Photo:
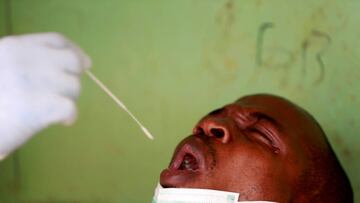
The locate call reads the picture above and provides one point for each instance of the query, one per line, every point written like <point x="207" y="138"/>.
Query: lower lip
<point x="177" y="178"/>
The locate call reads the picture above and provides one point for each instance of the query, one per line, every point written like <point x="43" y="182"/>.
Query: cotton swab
<point x="119" y="103"/>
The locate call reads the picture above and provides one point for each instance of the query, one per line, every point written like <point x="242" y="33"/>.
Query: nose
<point x="216" y="128"/>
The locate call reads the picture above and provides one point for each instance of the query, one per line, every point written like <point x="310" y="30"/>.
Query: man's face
<point x="255" y="146"/>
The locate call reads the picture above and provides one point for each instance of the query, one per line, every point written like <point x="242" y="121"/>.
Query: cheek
<point x="240" y="170"/>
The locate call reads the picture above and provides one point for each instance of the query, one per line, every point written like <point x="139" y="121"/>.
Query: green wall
<point x="2" y="18"/>
<point x="172" y="62"/>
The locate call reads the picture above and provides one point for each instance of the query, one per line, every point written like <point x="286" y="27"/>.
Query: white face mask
<point x="186" y="195"/>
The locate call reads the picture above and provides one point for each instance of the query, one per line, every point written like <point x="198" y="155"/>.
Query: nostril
<point x="216" y="128"/>
<point x="217" y="132"/>
<point x="198" y="131"/>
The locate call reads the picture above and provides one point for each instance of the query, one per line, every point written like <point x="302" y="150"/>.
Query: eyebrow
<point x="258" y="115"/>
<point x="263" y="116"/>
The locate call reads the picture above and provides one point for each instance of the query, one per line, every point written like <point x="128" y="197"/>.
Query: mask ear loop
<point x="119" y="103"/>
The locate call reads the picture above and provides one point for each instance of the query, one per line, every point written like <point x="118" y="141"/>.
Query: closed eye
<point x="265" y="130"/>
<point x="258" y="135"/>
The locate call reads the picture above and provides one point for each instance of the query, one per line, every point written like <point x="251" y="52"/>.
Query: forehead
<point x="275" y="107"/>
<point x="293" y="122"/>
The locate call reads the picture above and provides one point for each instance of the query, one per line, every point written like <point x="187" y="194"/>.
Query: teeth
<point x="189" y="163"/>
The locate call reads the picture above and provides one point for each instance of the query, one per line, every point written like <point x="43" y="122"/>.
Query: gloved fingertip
<point x="84" y="58"/>
<point x="69" y="122"/>
<point x="71" y="116"/>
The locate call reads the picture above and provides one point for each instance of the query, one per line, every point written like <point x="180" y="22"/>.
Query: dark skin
<point x="263" y="147"/>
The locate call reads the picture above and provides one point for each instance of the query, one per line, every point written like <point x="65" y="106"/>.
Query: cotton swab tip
<point x="147" y="133"/>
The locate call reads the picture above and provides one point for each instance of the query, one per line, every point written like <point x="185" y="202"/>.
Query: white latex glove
<point x="39" y="85"/>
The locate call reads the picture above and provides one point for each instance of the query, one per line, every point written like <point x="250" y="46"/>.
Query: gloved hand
<point x="39" y="85"/>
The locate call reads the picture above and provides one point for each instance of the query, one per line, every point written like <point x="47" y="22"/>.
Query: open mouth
<point x="185" y="160"/>
<point x="189" y="162"/>
<point x="189" y="158"/>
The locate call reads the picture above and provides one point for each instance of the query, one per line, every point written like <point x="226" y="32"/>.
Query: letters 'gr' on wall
<point x="172" y="62"/>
